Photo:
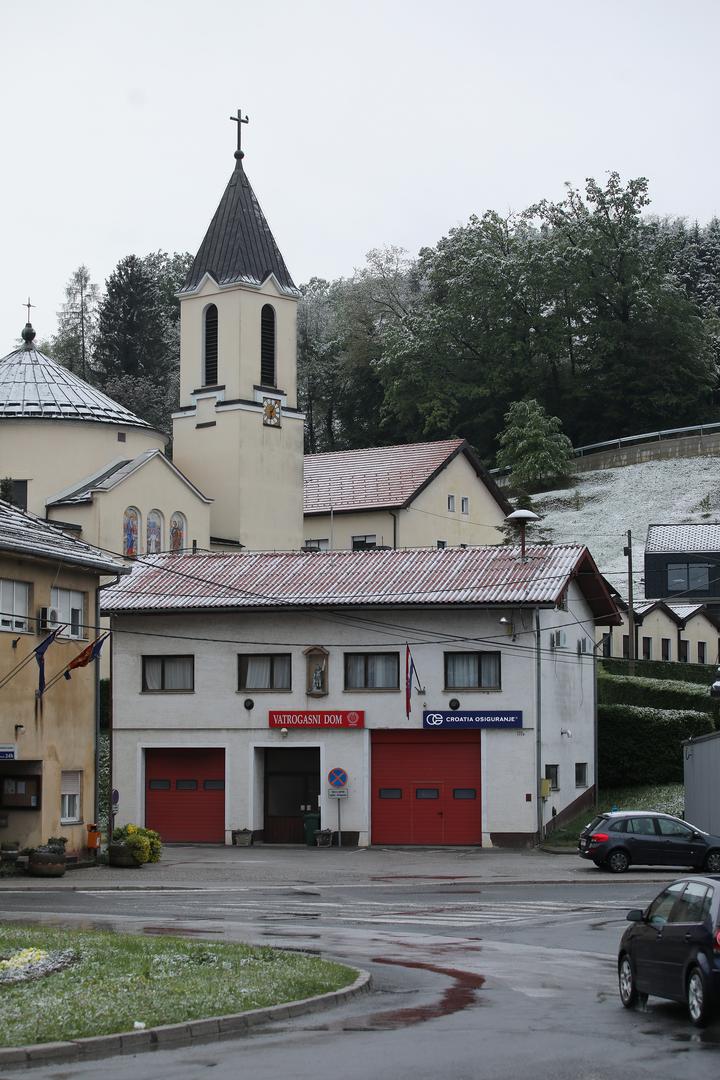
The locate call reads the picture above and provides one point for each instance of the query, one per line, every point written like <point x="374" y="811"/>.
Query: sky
<point x="372" y="123"/>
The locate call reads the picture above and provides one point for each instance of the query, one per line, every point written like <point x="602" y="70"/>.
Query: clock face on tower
<point x="272" y="413"/>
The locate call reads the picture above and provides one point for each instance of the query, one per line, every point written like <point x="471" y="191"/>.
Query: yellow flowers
<point x="22" y="959"/>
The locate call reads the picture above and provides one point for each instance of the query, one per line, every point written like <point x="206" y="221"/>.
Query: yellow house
<point x="689" y="633"/>
<point x="435" y="494"/>
<point x="48" y="583"/>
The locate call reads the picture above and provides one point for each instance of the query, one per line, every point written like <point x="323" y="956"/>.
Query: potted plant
<point x="132" y="845"/>
<point x="48" y="860"/>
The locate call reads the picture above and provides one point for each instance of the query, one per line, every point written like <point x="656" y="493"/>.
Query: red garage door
<point x="426" y="787"/>
<point x="185" y="795"/>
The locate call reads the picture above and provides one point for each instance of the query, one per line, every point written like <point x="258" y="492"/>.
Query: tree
<point x="73" y="344"/>
<point x="533" y="446"/>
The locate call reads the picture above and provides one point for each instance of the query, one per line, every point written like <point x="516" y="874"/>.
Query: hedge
<point x="656" y="694"/>
<point x="662" y="669"/>
<point x="643" y="746"/>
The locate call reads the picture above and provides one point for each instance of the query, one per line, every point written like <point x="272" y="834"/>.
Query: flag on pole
<point x="40" y="657"/>
<point x="90" y="653"/>
<point x="409" y="671"/>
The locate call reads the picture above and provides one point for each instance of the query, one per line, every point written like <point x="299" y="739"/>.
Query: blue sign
<point x="337" y="778"/>
<point x="439" y="719"/>
<point x="7" y="753"/>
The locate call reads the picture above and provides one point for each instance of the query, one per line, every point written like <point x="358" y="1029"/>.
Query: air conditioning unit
<point x="47" y="619"/>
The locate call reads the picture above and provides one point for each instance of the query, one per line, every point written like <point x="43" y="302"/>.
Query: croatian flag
<point x="40" y="657"/>
<point x="90" y="653"/>
<point x="409" y="672"/>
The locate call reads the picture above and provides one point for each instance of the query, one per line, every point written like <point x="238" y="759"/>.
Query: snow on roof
<point x="425" y="576"/>
<point x="25" y="534"/>
<point x="688" y="537"/>
<point x="382" y="476"/>
<point x="115" y="473"/>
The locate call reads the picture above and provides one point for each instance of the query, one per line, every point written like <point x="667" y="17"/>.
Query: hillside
<point x="599" y="507"/>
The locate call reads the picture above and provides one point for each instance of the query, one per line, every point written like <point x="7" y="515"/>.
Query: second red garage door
<point x="426" y="787"/>
<point x="185" y="795"/>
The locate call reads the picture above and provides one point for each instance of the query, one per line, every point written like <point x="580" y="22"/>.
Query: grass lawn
<point x="667" y="798"/>
<point x="115" y="980"/>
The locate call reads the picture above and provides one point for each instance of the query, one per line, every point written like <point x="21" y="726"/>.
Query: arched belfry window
<point x="267" y="345"/>
<point x="211" y="346"/>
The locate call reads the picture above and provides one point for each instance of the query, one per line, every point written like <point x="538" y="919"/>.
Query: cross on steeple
<point x="28" y="305"/>
<point x="240" y="120"/>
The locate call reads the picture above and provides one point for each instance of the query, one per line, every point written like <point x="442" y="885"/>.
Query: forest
<point x="606" y="315"/>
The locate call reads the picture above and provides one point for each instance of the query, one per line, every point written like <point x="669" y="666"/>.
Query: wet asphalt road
<point x="489" y="982"/>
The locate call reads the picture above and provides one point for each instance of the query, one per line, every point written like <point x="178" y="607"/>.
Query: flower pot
<point x="46" y="864"/>
<point x="120" y="855"/>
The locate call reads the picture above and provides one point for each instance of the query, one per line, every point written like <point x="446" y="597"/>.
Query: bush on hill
<point x="644" y="746"/>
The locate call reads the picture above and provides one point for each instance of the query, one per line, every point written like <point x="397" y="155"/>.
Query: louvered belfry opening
<point x="267" y="345"/>
<point x="211" y="346"/>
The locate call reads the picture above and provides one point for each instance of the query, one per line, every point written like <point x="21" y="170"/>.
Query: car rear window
<point x="595" y="823"/>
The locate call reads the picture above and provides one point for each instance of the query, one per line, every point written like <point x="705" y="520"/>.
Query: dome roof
<point x="33" y="385"/>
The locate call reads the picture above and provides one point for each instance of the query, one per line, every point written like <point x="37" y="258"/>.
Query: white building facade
<point x="247" y="680"/>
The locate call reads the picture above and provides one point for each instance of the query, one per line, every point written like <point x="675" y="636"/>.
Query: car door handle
<point x="688" y="936"/>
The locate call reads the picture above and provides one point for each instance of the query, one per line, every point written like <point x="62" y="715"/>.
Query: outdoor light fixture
<point x="566" y="731"/>
<point x="18" y="728"/>
<point x="283" y="732"/>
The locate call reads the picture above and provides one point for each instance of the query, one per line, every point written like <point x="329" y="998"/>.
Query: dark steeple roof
<point x="238" y="247"/>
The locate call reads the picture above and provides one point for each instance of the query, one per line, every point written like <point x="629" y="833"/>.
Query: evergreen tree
<point x="73" y="345"/>
<point x="533" y="446"/>
<point x="131" y="325"/>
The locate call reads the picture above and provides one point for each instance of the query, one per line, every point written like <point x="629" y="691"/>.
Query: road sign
<point x="338" y="792"/>
<point x="337" y="778"/>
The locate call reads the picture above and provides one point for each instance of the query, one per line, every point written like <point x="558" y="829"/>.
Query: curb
<point x="171" y="1035"/>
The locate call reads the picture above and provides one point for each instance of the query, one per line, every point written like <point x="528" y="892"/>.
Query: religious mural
<point x="131" y="532"/>
<point x="177" y="531"/>
<point x="154" y="532"/>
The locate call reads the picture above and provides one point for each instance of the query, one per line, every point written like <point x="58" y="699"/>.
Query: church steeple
<point x="239" y="248"/>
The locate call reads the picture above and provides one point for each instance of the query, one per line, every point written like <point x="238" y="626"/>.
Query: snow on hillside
<point x="599" y="507"/>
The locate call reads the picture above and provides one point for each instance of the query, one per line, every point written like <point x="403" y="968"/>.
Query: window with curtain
<point x="70" y="788"/>
<point x="14" y="605"/>
<point x="210" y="374"/>
<point x="166" y="673"/>
<point x="472" y="671"/>
<point x="70" y="606"/>
<point x="372" y="671"/>
<point x="267" y="346"/>
<point x="268" y="671"/>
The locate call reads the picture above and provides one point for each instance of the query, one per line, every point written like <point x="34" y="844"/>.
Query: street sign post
<point x="338" y="790"/>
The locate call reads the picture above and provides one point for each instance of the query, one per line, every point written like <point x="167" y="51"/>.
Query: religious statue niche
<point x="317" y="671"/>
<point x="131" y="532"/>
<point x="154" y="532"/>
<point x="177" y="531"/>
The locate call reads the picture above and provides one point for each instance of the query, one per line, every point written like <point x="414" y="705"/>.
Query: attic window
<point x="211" y="346"/>
<point x="122" y="437"/>
<point x="267" y="346"/>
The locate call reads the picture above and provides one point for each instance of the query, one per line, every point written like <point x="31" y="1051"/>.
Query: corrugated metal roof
<point x="35" y="387"/>
<point x="679" y="539"/>
<point x="382" y="476"/>
<point x="238" y="247"/>
<point x="25" y="534"/>
<point x="427" y="576"/>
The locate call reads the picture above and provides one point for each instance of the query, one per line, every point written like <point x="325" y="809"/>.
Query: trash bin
<point x="311" y="823"/>
<point x="93" y="840"/>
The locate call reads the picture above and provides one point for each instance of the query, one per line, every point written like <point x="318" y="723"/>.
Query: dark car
<point x="672" y="949"/>
<point x="615" y="840"/>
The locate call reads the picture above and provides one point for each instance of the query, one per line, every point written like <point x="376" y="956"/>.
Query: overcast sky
<point x="372" y="122"/>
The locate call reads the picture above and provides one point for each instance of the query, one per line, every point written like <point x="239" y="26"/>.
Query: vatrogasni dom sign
<point x="438" y="719"/>
<point x="323" y="718"/>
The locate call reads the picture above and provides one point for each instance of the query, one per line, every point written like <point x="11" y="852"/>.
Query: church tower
<point x="238" y="432"/>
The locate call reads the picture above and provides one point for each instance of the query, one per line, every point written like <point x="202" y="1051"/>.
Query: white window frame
<point x="451" y="504"/>
<point x="317" y="545"/>
<point x="70" y="607"/>
<point x="70" y="796"/>
<point x="464" y="505"/>
<point x="15" y="605"/>
<point x="367" y="541"/>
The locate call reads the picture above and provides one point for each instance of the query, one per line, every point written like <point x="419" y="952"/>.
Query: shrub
<point x="643" y="745"/>
<point x="145" y="844"/>
<point x="662" y="669"/>
<point x="655" y="693"/>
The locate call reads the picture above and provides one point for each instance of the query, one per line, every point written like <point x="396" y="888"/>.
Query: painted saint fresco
<point x="131" y="530"/>
<point x="154" y="532"/>
<point x="177" y="531"/>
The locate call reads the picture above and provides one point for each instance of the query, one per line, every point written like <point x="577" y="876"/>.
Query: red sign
<point x="342" y="718"/>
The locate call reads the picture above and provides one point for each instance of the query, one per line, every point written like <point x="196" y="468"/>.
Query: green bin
<point x="311" y="823"/>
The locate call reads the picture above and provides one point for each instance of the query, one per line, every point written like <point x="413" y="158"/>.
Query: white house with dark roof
<point x="243" y="680"/>
<point x="434" y="494"/>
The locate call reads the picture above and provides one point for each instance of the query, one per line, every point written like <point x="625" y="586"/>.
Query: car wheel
<point x="712" y="862"/>
<point x="698" y="999"/>
<point x="626" y="983"/>
<point x="617" y="862"/>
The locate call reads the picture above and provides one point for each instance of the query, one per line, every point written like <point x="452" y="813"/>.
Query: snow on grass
<point x="601" y="506"/>
<point x="119" y="981"/>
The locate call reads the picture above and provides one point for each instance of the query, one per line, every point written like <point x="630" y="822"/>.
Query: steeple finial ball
<point x="28" y="335"/>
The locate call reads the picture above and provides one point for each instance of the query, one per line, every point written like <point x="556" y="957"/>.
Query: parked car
<point x="616" y="839"/>
<point x="672" y="949"/>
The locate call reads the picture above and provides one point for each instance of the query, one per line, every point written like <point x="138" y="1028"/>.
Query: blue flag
<point x="40" y="657"/>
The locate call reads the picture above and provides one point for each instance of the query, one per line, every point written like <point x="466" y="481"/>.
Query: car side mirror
<point x="636" y="915"/>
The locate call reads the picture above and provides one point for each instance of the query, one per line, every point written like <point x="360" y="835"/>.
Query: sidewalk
<point x="206" y="867"/>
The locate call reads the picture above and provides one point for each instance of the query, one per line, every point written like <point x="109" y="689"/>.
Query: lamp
<point x="509" y="625"/>
<point x="18" y="729"/>
<point x="284" y="732"/>
<point x="566" y="731"/>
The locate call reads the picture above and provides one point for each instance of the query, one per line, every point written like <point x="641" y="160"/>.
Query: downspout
<point x="110" y="719"/>
<point x="538" y="724"/>
<point x="96" y="807"/>
<point x="595" y="727"/>
<point x="332" y="523"/>
<point x="393" y="515"/>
